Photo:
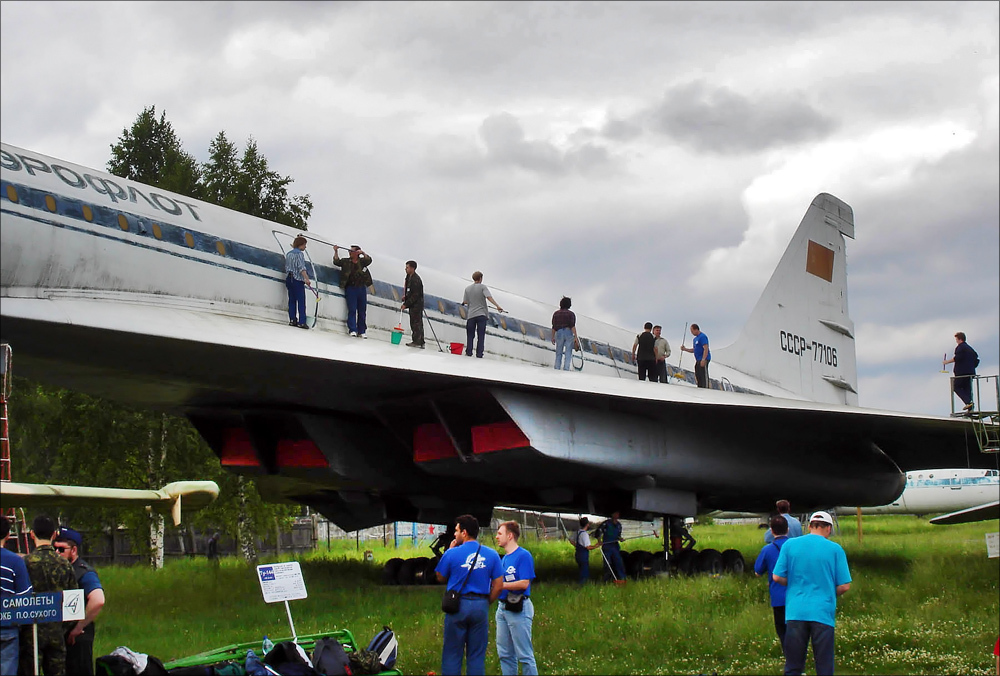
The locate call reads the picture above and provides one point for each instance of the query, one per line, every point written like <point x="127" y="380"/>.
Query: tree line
<point x="59" y="436"/>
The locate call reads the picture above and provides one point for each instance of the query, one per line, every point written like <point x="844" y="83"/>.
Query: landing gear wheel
<point x="684" y="561"/>
<point x="733" y="562"/>
<point x="430" y="577"/>
<point x="710" y="561"/>
<point x="420" y="570"/>
<point x="406" y="572"/>
<point x="640" y="564"/>
<point x="390" y="572"/>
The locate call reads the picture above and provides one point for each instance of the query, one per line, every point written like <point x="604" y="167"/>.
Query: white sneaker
<point x="362" y="335"/>
<point x="354" y="334"/>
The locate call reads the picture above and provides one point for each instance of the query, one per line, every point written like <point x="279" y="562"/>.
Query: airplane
<point x="935" y="491"/>
<point x="194" y="495"/>
<point x="136" y="294"/>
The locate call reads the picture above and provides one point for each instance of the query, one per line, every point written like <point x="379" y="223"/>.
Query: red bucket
<point x="457" y="348"/>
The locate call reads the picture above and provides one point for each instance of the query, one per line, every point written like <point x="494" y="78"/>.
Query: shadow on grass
<point x="887" y="564"/>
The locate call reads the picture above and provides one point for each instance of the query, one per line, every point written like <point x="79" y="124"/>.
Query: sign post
<point x="282" y="582"/>
<point x="35" y="609"/>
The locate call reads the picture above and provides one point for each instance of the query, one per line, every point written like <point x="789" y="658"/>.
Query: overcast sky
<point x="651" y="160"/>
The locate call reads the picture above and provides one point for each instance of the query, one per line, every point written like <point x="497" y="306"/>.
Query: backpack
<point x="385" y="645"/>
<point x="289" y="659"/>
<point x="329" y="657"/>
<point x="364" y="662"/>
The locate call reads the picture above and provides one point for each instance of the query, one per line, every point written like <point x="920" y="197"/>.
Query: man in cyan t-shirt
<point x="815" y="571"/>
<point x="467" y="632"/>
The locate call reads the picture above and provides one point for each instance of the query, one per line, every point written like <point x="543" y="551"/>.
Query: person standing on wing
<point x="702" y="355"/>
<point x="965" y="360"/>
<point x="296" y="281"/>
<point x="662" y="349"/>
<point x="413" y="301"/>
<point x="564" y="333"/>
<point x="355" y="280"/>
<point x="475" y="298"/>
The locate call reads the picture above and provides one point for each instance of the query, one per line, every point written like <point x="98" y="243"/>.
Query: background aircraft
<point x="125" y="291"/>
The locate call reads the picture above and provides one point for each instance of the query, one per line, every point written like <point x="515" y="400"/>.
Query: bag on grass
<point x="364" y="662"/>
<point x="289" y="659"/>
<point x="329" y="657"/>
<point x="385" y="646"/>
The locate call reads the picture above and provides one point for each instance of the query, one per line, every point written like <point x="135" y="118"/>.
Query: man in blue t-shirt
<point x="80" y="637"/>
<point x="474" y="571"/>
<point x="815" y="571"/>
<point x="765" y="566"/>
<point x="965" y="360"/>
<point x="702" y="355"/>
<point x="514" y="618"/>
<point x="794" y="527"/>
<point x="14" y="581"/>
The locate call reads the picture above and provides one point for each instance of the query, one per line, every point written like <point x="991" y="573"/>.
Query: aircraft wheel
<point x="659" y="563"/>
<point x="391" y="570"/>
<point x="710" y="561"/>
<point x="684" y="562"/>
<point x="430" y="577"/>
<point x="420" y="570"/>
<point x="406" y="572"/>
<point x="733" y="562"/>
<point x="639" y="564"/>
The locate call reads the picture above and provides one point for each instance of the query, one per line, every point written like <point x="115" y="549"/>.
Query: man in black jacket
<point x="413" y="300"/>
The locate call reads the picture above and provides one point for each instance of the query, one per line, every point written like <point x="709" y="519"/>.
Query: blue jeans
<point x="564" y="348"/>
<point x="614" y="557"/>
<point x="583" y="560"/>
<point x="797" y="637"/>
<point x="357" y="308"/>
<point x="296" y="299"/>
<point x="8" y="650"/>
<point x="466" y="634"/>
<point x="514" y="640"/>
<point x="475" y="327"/>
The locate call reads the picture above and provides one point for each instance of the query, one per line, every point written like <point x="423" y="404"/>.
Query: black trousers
<point x="963" y="388"/>
<point x="647" y="367"/>
<point x="80" y="656"/>
<point x="779" y="622"/>
<point x="417" y="324"/>
<point x="701" y="374"/>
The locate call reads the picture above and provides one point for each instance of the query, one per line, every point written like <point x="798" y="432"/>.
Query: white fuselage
<point x="940" y="490"/>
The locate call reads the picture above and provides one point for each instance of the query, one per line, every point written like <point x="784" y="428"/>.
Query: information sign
<point x="281" y="582"/>
<point x="993" y="545"/>
<point x="42" y="608"/>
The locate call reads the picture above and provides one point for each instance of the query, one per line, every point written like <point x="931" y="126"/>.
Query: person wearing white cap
<point x="815" y="571"/>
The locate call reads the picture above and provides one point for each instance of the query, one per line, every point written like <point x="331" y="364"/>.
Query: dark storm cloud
<point x="720" y="120"/>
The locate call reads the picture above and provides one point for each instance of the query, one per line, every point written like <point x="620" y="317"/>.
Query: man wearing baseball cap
<point x="80" y="637"/>
<point x="815" y="571"/>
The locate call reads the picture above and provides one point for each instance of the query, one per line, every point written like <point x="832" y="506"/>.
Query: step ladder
<point x="19" y="529"/>
<point x="985" y="413"/>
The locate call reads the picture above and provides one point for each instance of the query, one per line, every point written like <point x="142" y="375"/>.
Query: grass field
<point x="924" y="601"/>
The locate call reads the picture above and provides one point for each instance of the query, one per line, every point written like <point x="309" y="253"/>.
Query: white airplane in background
<point x="125" y="291"/>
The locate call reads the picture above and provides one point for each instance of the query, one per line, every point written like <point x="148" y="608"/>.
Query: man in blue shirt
<point x="815" y="571"/>
<point x="765" y="566"/>
<point x="296" y="281"/>
<point x="80" y="637"/>
<point x="476" y="572"/>
<point x="702" y="355"/>
<point x="794" y="527"/>
<point x="514" y="617"/>
<point x="610" y="533"/>
<point x="14" y="581"/>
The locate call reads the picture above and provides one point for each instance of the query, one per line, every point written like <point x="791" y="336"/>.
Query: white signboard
<point x="73" y="606"/>
<point x="993" y="545"/>
<point x="281" y="582"/>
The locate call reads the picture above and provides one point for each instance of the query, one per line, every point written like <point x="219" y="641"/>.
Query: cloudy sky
<point x="649" y="159"/>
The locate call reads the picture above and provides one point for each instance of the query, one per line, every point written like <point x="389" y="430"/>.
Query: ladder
<point x="985" y="414"/>
<point x="18" y="527"/>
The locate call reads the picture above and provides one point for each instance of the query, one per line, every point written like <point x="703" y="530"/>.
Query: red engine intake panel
<point x="300" y="453"/>
<point x="498" y="437"/>
<point x="431" y="442"/>
<point x="237" y="449"/>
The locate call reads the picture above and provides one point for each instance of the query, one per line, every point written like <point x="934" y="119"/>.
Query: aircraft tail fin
<point x="800" y="336"/>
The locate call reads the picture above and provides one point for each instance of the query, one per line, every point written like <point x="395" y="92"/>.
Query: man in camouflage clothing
<point x="49" y="573"/>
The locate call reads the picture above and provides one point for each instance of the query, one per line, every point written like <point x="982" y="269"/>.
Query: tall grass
<point x="924" y="600"/>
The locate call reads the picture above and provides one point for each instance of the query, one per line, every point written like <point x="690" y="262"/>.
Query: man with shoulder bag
<point x="516" y="611"/>
<point x="474" y="579"/>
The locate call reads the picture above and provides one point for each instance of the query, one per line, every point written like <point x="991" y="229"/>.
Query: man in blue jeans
<point x="474" y="571"/>
<point x="610" y="533"/>
<point x="14" y="581"/>
<point x="514" y="616"/>
<point x="475" y="298"/>
<point x="815" y="571"/>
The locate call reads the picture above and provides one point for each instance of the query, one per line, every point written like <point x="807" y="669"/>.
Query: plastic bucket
<point x="456" y="348"/>
<point x="397" y="336"/>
